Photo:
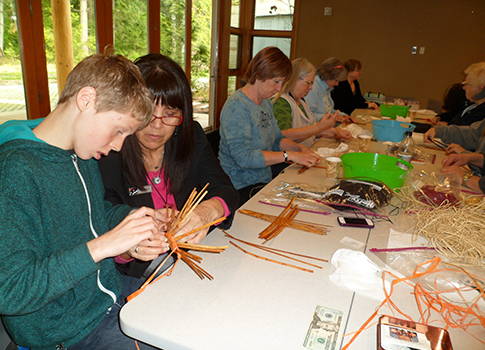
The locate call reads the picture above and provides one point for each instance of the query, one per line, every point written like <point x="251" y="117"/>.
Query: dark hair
<point x="268" y="63"/>
<point x="169" y="86"/>
<point x="454" y="99"/>
<point x="352" y="64"/>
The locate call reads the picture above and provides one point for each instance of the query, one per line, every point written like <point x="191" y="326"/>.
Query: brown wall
<point x="381" y="34"/>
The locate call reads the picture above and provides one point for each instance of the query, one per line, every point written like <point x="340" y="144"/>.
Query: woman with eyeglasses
<point x="466" y="129"/>
<point x="293" y="114"/>
<point x="161" y="164"/>
<point x="474" y="93"/>
<point x="251" y="141"/>
<point x="329" y="74"/>
<point x="347" y="95"/>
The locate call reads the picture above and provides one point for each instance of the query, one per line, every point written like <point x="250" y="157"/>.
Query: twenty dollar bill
<point x="323" y="333"/>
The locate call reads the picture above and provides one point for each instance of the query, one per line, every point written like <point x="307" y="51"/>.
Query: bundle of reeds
<point x="457" y="232"/>
<point x="285" y="219"/>
<point x="180" y="248"/>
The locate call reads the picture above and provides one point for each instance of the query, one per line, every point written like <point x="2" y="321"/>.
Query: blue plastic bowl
<point x="390" y="130"/>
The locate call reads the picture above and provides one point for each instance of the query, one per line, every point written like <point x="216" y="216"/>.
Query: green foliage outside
<point x="130" y="28"/>
<point x="10" y="36"/>
<point x="130" y="34"/>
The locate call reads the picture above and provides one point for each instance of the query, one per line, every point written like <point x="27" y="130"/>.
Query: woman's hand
<point x="149" y="249"/>
<point x="454" y="148"/>
<point x="454" y="169"/>
<point x="430" y="135"/>
<point x="206" y="212"/>
<point x="327" y="121"/>
<point x="343" y="118"/>
<point x="473" y="182"/>
<point x="372" y="105"/>
<point x="463" y="159"/>
<point x="306" y="157"/>
<point x="137" y="227"/>
<point x="341" y="134"/>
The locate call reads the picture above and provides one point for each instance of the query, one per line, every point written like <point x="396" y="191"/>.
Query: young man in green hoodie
<point x="59" y="287"/>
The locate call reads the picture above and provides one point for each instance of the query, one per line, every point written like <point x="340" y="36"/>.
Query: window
<point x="136" y="27"/>
<point x="271" y="24"/>
<point x="130" y="31"/>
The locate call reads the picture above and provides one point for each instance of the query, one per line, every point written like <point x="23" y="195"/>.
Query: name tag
<point x="135" y="191"/>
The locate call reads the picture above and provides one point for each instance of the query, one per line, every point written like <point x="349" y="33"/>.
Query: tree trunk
<point x="61" y="20"/>
<point x="84" y="26"/>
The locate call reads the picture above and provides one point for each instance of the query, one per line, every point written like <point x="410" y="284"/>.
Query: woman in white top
<point x="293" y="114"/>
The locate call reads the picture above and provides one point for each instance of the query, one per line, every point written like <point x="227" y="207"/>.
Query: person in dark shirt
<point x="469" y="104"/>
<point x="161" y="164"/>
<point x="347" y="95"/>
<point x="454" y="102"/>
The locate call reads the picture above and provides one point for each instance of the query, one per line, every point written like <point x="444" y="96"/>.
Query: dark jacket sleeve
<point x="474" y="115"/>
<point x="117" y="189"/>
<point x="360" y="101"/>
<point x="344" y="99"/>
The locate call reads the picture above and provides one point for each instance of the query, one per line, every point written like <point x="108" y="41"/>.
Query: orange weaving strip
<point x="454" y="316"/>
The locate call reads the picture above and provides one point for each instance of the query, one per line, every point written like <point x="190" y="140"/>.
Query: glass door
<point x="12" y="96"/>
<point x="246" y="27"/>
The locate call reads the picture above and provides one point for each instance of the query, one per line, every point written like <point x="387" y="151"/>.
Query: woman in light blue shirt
<point x="329" y="73"/>
<point x="250" y="138"/>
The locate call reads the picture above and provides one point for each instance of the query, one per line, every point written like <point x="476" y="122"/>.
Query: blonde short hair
<point x="477" y="72"/>
<point x="118" y="83"/>
<point x="301" y="68"/>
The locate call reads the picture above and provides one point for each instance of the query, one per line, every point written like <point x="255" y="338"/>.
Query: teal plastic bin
<point x="390" y="130"/>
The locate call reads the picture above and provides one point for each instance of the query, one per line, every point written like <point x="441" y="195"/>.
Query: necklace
<point x="156" y="179"/>
<point x="154" y="183"/>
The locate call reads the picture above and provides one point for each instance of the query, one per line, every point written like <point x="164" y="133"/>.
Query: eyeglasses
<point x="170" y="118"/>
<point x="307" y="81"/>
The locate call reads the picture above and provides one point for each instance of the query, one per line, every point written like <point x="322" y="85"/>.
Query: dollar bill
<point x="323" y="333"/>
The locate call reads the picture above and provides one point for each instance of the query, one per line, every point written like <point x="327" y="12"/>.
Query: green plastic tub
<point x="392" y="111"/>
<point x="390" y="170"/>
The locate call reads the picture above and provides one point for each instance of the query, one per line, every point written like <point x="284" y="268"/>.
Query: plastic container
<point x="390" y="170"/>
<point x="392" y="111"/>
<point x="390" y="130"/>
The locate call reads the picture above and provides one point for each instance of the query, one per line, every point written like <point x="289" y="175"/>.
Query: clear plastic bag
<point x="305" y="195"/>
<point x="456" y="284"/>
<point x="362" y="193"/>
<point x="435" y="189"/>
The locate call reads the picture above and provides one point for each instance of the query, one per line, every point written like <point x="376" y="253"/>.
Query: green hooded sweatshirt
<point x="51" y="291"/>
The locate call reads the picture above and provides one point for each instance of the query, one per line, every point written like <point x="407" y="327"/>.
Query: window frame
<point x="34" y="65"/>
<point x="247" y="32"/>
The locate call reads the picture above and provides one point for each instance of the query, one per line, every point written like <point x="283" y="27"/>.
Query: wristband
<point x="285" y="155"/>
